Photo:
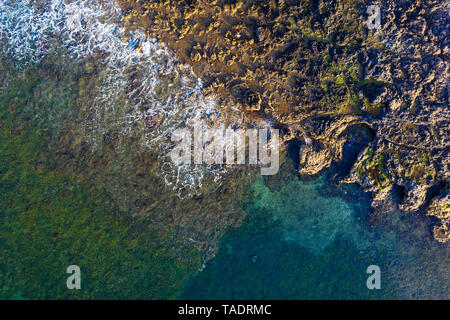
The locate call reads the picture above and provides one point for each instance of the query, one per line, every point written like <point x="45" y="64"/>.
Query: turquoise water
<point x="313" y="240"/>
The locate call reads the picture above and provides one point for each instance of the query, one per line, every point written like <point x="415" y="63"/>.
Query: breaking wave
<point x="141" y="90"/>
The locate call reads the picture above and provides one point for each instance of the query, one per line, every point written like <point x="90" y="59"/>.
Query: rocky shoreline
<point x="371" y="105"/>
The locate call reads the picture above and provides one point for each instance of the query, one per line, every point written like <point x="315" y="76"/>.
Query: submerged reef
<point x="369" y="106"/>
<point x="52" y="217"/>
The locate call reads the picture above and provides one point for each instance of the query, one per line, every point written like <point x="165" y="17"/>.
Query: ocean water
<point x="314" y="240"/>
<point x="70" y="66"/>
<point x="133" y="78"/>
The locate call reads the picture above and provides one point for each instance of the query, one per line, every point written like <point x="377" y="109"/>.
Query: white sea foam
<point x="135" y="85"/>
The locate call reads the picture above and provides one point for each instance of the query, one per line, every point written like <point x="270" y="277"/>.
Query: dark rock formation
<point x="374" y="102"/>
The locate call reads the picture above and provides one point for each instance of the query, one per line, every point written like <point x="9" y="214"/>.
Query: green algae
<point x="50" y="219"/>
<point x="374" y="167"/>
<point x="372" y="109"/>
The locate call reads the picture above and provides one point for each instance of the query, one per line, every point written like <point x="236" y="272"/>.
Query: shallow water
<point x="313" y="240"/>
<point x="124" y="77"/>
